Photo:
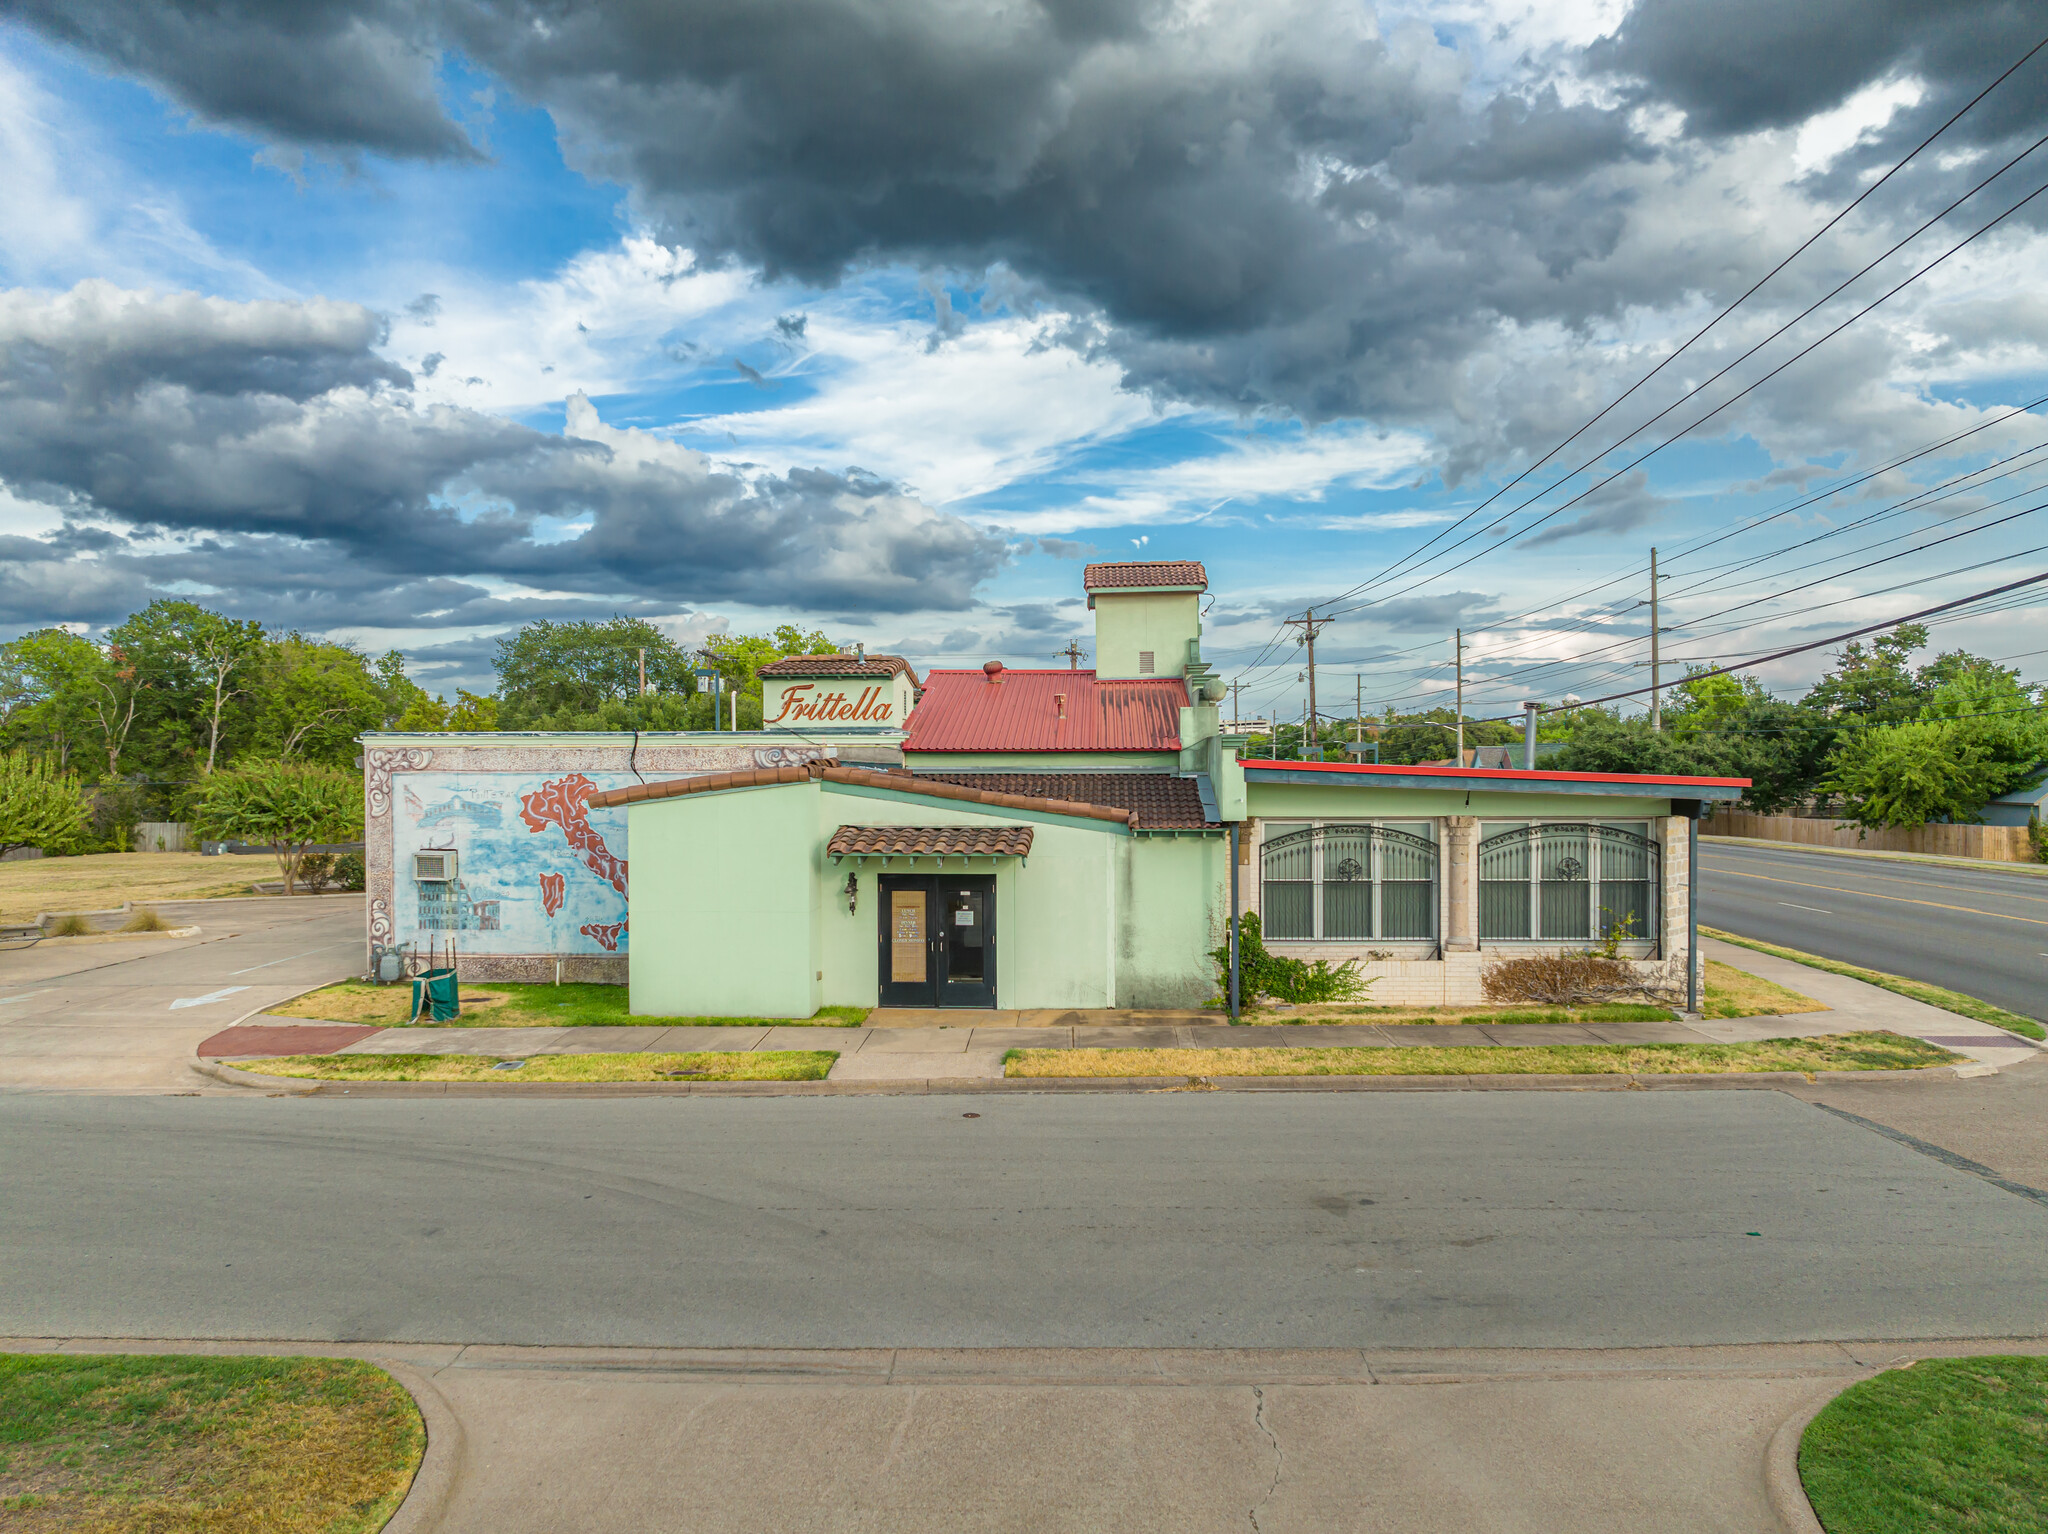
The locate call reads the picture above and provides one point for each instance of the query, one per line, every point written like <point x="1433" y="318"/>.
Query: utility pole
<point x="1073" y="655"/>
<point x="1357" y="711"/>
<point x="1235" y="717"/>
<point x="1656" y="672"/>
<point x="1310" y="626"/>
<point x="1458" y="657"/>
<point x="643" y="673"/>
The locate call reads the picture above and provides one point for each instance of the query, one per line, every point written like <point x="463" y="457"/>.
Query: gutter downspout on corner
<point x="1693" y="966"/>
<point x="1235" y="826"/>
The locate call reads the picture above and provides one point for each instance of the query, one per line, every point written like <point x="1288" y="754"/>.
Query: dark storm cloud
<point x="328" y="75"/>
<point x="1621" y="507"/>
<point x="266" y="452"/>
<point x="1246" y="205"/>
<point x="1739" y="65"/>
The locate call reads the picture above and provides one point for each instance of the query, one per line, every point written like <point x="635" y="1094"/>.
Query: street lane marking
<point x="209" y="998"/>
<point x="345" y="943"/>
<point x="1924" y="884"/>
<point x="1798" y="907"/>
<point x="2033" y="921"/>
<point x="45" y="990"/>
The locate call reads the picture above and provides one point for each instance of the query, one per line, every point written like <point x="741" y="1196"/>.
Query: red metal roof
<point x="1045" y="711"/>
<point x="1391" y="769"/>
<point x="1157" y="572"/>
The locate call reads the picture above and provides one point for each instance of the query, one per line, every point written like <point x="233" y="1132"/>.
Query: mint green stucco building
<point x="1068" y="839"/>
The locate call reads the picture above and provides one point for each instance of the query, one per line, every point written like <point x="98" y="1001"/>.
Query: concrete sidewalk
<point x="607" y="1441"/>
<point x="973" y="1047"/>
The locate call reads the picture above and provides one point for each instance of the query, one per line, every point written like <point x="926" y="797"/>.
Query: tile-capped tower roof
<point x="1155" y="574"/>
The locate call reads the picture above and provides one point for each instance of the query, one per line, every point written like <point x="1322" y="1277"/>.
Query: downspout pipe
<point x="1529" y="736"/>
<point x="1234" y="828"/>
<point x="1692" y="909"/>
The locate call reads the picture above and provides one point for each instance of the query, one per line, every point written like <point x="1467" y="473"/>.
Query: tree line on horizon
<point x="180" y="713"/>
<point x="1877" y="741"/>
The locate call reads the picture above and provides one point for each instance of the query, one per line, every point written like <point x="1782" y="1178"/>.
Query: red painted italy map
<point x="561" y="803"/>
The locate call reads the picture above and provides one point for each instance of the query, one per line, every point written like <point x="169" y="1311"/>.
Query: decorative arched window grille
<point x="1356" y="882"/>
<point x="1556" y="882"/>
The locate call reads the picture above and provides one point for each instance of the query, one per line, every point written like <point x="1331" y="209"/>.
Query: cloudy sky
<point x="411" y="320"/>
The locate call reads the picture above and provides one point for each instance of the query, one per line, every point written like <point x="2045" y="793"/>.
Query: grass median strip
<point x="575" y="1005"/>
<point x="127" y="1444"/>
<point x="1918" y="990"/>
<point x="1830" y="1052"/>
<point x="736" y="1065"/>
<point x="1944" y="1444"/>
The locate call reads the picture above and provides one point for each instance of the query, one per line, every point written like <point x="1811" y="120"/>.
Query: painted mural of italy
<point x="606" y="933"/>
<point x="551" y="890"/>
<point x="561" y="803"/>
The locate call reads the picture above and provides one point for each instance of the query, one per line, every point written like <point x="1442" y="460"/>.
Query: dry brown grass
<point x="1734" y="993"/>
<point x="570" y="1005"/>
<point x="738" y="1065"/>
<point x="120" y="1444"/>
<point x="102" y="881"/>
<point x="1831" y="1052"/>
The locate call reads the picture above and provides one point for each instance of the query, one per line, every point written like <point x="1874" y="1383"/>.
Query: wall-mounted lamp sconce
<point x="852" y="892"/>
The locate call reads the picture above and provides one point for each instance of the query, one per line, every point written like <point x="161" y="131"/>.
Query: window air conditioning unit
<point x="433" y="867"/>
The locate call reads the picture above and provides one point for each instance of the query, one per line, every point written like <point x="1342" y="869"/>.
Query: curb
<point x="969" y="1086"/>
<point x="433" y="1484"/>
<point x="1781" y="1466"/>
<point x="227" y="1074"/>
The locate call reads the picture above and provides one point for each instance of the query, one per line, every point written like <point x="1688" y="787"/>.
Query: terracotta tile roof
<point x="1045" y="711"/>
<point x="840" y="665"/>
<point x="932" y="841"/>
<point x="1158" y="572"/>
<point x="1160" y="800"/>
<point x="898" y="782"/>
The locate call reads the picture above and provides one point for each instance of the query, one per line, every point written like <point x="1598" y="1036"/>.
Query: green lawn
<point x="1947" y="1446"/>
<point x="128" y="1444"/>
<point x="737" y="1065"/>
<point x="527" y="1006"/>
<point x="1919" y="990"/>
<point x="1830" y="1052"/>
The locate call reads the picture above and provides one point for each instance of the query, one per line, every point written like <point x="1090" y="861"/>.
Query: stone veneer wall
<point x="382" y="765"/>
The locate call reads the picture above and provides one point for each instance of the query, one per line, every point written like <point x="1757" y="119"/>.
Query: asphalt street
<point x="124" y="1014"/>
<point x="1504" y="1219"/>
<point x="1982" y="933"/>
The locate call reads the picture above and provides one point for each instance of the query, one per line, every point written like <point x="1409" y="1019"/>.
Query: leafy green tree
<point x="547" y="667"/>
<point x="1631" y="746"/>
<point x="400" y="692"/>
<point x="470" y="712"/>
<point x="1979" y="734"/>
<point x="191" y="667"/>
<point x="287" y="806"/>
<point x="1873" y="681"/>
<point x="738" y="657"/>
<point x="40" y="805"/>
<point x="312" y="699"/>
<point x="48" y="688"/>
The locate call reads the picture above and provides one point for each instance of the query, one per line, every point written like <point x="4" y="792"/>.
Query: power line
<point x="1799" y="649"/>
<point x="1716" y="320"/>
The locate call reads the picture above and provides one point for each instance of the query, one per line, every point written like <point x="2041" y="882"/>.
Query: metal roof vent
<point x="993" y="670"/>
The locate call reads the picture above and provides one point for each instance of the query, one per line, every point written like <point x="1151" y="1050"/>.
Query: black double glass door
<point x="937" y="945"/>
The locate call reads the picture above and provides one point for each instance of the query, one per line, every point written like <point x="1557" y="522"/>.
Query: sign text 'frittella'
<point x="804" y="701"/>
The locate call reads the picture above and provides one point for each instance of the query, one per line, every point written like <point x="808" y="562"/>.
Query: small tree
<point x="288" y="806"/>
<point x="40" y="806"/>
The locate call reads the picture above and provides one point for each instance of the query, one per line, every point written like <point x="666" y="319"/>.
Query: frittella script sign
<point x="806" y="701"/>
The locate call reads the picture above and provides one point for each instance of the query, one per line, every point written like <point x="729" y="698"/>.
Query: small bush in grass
<point x="146" y="919"/>
<point x="315" y="869"/>
<point x="1303" y="981"/>
<point x="348" y="872"/>
<point x="72" y="926"/>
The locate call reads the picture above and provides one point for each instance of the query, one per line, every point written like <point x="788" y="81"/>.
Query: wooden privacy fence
<point x="1996" y="844"/>
<point x="164" y="836"/>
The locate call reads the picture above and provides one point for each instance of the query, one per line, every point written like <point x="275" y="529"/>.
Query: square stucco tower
<point x="1148" y="617"/>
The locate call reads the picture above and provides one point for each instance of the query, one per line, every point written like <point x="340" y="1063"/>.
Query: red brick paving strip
<point x="261" y="1039"/>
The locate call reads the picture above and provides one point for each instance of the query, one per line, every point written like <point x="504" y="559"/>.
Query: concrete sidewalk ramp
<point x="919" y="1065"/>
